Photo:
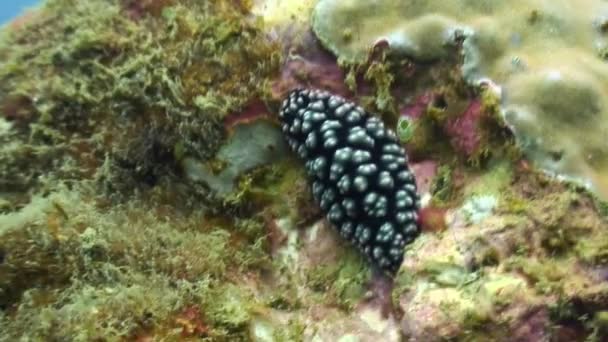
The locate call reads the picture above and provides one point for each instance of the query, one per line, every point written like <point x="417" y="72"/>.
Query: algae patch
<point x="120" y="91"/>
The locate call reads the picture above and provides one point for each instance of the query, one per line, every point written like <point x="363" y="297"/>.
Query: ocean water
<point x="12" y="8"/>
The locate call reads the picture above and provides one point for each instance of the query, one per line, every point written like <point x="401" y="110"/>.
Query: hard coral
<point x="492" y="44"/>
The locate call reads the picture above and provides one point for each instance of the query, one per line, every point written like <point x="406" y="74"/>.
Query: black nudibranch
<point x="359" y="172"/>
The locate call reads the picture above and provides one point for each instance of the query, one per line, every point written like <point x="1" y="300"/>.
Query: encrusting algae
<point x="147" y="192"/>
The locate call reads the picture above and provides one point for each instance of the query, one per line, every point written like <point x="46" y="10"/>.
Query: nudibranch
<point x="359" y="173"/>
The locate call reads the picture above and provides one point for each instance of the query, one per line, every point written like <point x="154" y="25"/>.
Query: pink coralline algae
<point x="256" y="109"/>
<point x="310" y="68"/>
<point x="463" y="130"/>
<point x="419" y="107"/>
<point x="424" y="171"/>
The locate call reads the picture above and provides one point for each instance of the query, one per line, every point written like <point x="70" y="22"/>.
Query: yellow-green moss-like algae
<point x="130" y="83"/>
<point x="101" y="97"/>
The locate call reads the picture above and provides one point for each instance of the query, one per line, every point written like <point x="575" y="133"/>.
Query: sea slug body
<point x="359" y="173"/>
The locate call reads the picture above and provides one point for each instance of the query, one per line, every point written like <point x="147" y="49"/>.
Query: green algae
<point x="294" y="332"/>
<point x="111" y="270"/>
<point x="458" y="313"/>
<point x="111" y="100"/>
<point x="500" y="288"/>
<point x="442" y="187"/>
<point x="600" y="323"/>
<point x="379" y="74"/>
<point x="405" y="129"/>
<point x="100" y="72"/>
<point x="524" y="253"/>
<point x="493" y="181"/>
<point x="449" y="275"/>
<point x="593" y="251"/>
<point x="560" y="228"/>
<point x="343" y="282"/>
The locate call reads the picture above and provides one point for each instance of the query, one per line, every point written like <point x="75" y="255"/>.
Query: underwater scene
<point x="304" y="170"/>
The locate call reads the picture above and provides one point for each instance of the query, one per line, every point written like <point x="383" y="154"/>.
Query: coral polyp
<point x="359" y="172"/>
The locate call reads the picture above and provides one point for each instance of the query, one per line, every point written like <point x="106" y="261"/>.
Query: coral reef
<point x="147" y="192"/>
<point x="546" y="56"/>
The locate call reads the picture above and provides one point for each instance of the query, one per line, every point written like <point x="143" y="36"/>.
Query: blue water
<point x="12" y="8"/>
